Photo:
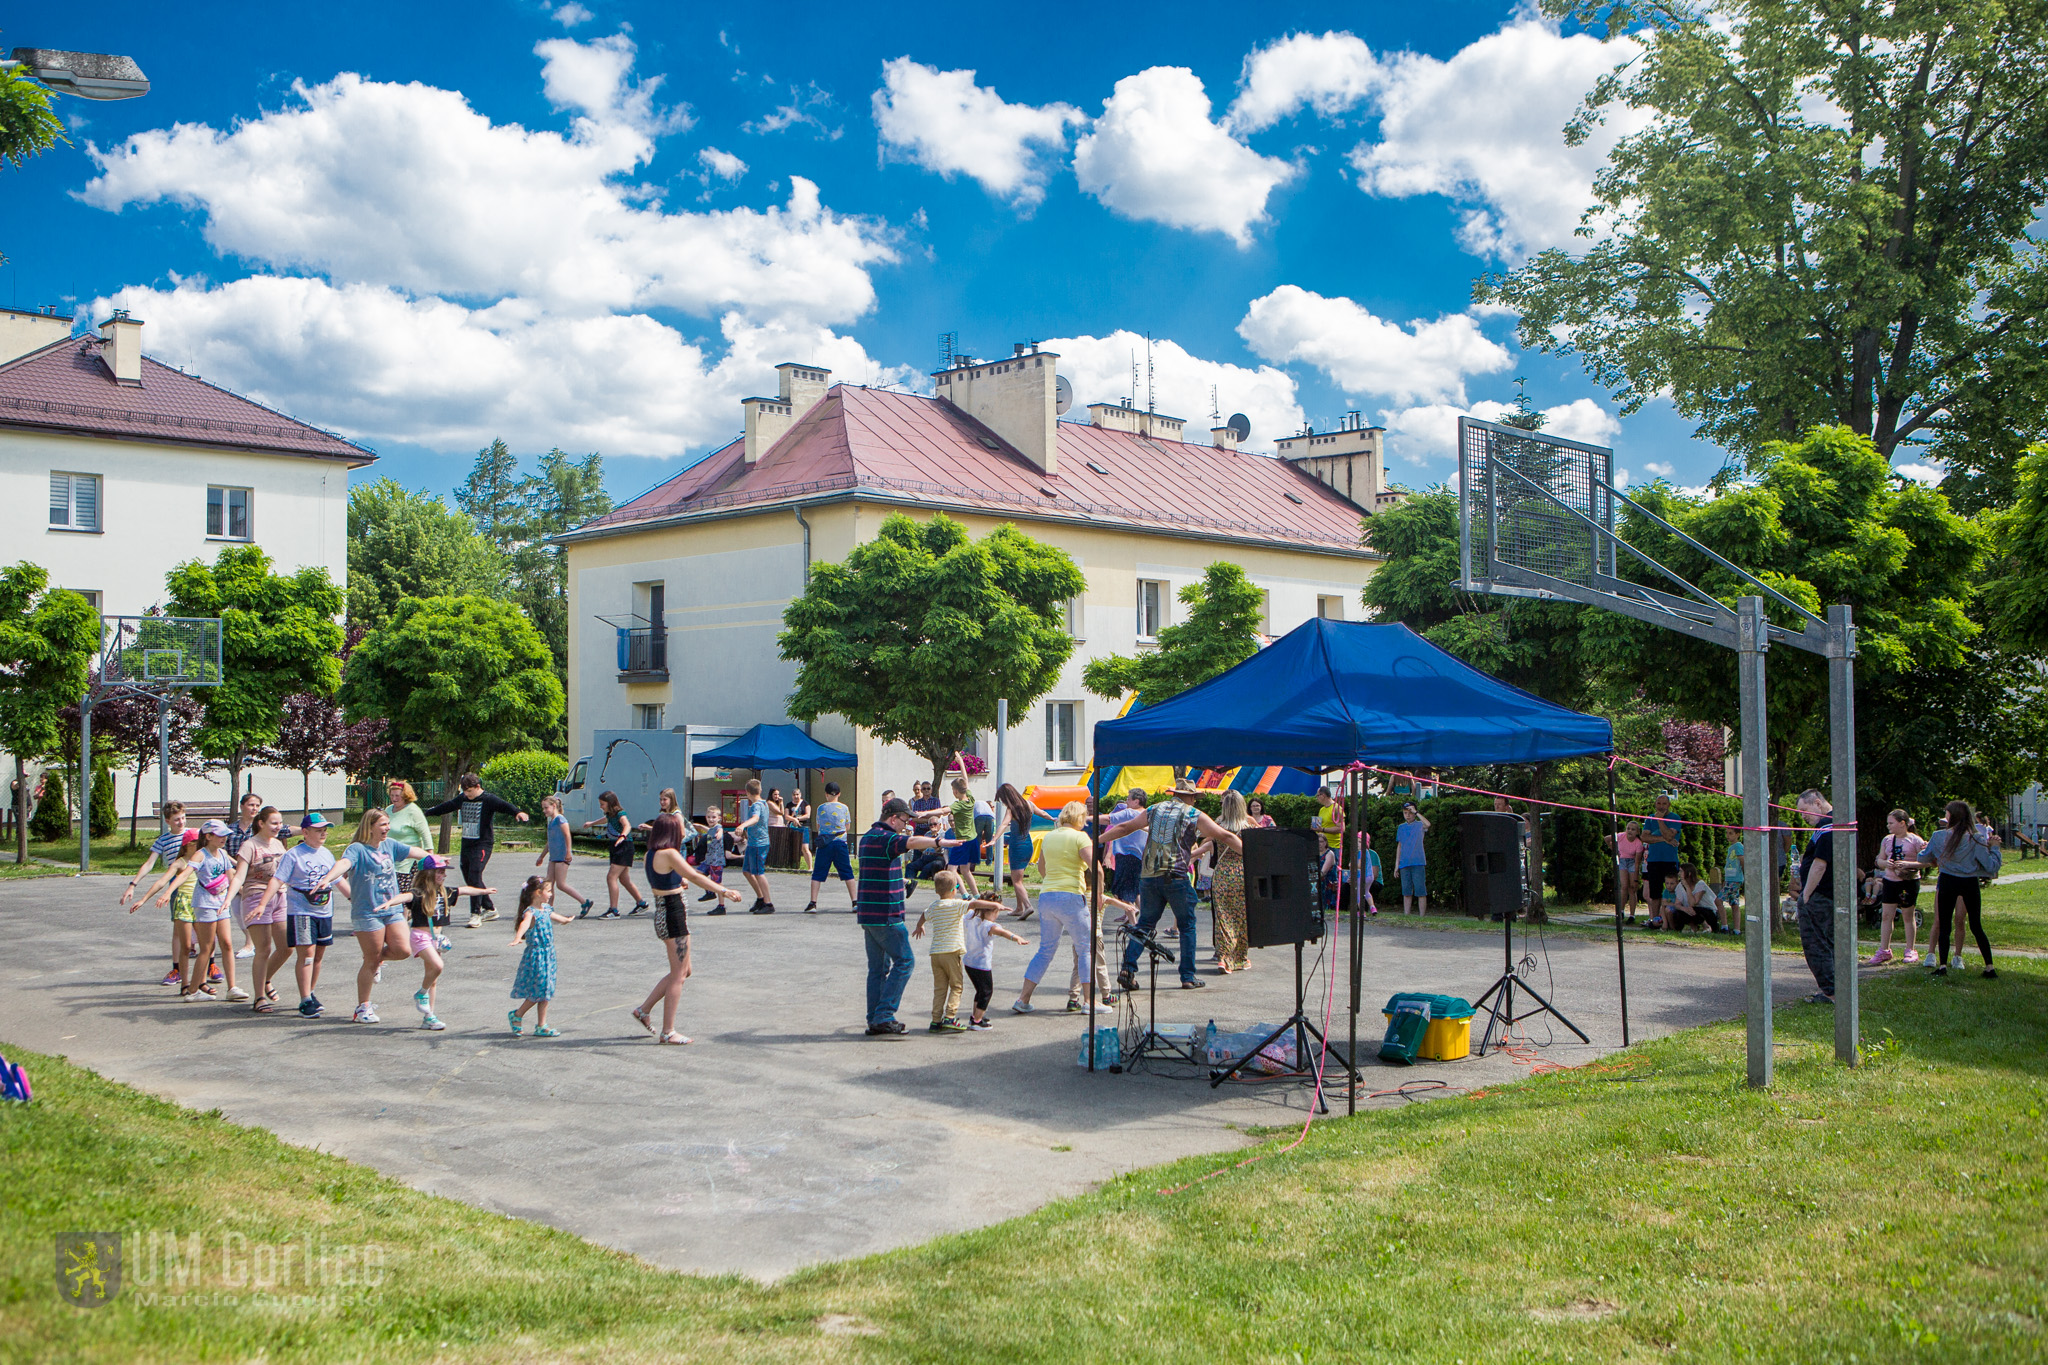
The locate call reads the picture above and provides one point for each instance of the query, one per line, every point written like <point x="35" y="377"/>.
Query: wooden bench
<point x="196" y="810"/>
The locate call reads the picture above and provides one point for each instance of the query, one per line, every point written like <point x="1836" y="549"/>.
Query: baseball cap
<point x="190" y="836"/>
<point x="896" y="806"/>
<point x="315" y="820"/>
<point x="219" y="827"/>
<point x="433" y="862"/>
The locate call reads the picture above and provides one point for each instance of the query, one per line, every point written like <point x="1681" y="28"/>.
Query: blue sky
<point x="599" y="226"/>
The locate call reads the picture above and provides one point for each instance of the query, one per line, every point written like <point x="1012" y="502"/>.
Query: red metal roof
<point x="65" y="386"/>
<point x="908" y="448"/>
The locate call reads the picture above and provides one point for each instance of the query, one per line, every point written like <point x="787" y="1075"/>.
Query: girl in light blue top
<point x="556" y="855"/>
<point x="376" y="905"/>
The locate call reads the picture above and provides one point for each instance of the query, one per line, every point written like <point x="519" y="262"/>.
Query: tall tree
<point x="563" y="495"/>
<point x="315" y="736"/>
<point x="920" y="631"/>
<point x="1221" y="631"/>
<point x="493" y="498"/>
<point x="47" y="641"/>
<point x="1828" y="219"/>
<point x="279" y="635"/>
<point x="406" y="544"/>
<point x="463" y="677"/>
<point x="2016" y="591"/>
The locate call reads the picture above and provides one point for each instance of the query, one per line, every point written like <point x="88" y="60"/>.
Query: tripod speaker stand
<point x="1492" y="845"/>
<point x="1282" y="904"/>
<point x="1152" y="1043"/>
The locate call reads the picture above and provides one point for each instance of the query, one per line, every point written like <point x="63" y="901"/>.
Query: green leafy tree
<point x="48" y="638"/>
<point x="405" y="544"/>
<point x="1221" y="631"/>
<point x="563" y="495"/>
<point x="2016" y="592"/>
<point x="462" y="677"/>
<point x="920" y="631"/>
<point x="524" y="777"/>
<point x="492" y="496"/>
<point x="279" y="635"/>
<point x="51" y="823"/>
<point x="1829" y="219"/>
<point x="29" y="126"/>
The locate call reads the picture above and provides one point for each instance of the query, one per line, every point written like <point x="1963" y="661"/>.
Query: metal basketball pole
<point x="1758" y="897"/>
<point x="85" y="783"/>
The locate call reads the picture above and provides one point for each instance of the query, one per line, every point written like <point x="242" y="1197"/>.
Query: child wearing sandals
<point x="183" y="938"/>
<point x="427" y="902"/>
<point x="534" y="986"/>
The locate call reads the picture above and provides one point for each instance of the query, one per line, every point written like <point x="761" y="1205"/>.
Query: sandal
<point x="270" y="994"/>
<point x="261" y="1007"/>
<point x="673" y="1037"/>
<point x="545" y="1032"/>
<point x="518" y="1024"/>
<point x="645" y="1022"/>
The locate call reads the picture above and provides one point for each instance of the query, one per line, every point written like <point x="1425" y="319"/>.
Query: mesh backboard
<point x="1507" y="523"/>
<point x="156" y="652"/>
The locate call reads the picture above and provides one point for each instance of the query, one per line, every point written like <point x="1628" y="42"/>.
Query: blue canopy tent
<point x="1332" y="693"/>
<point x="782" y="747"/>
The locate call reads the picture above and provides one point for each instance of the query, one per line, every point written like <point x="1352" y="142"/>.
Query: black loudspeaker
<point x="1281" y="900"/>
<point x="1490" y="843"/>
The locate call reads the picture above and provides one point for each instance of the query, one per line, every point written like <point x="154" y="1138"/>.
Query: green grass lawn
<point x="1648" y="1207"/>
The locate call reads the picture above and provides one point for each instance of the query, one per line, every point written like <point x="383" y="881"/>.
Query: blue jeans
<point x="889" y="966"/>
<point x="1154" y="895"/>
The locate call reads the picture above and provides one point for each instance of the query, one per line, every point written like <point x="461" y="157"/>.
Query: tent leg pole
<point x="1359" y="890"/>
<point x="1620" y="948"/>
<point x="1094" y="908"/>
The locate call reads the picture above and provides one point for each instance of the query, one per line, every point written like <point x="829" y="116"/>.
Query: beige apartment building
<point x="676" y="598"/>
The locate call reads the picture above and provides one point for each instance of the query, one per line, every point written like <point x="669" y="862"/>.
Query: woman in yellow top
<point x="1064" y="854"/>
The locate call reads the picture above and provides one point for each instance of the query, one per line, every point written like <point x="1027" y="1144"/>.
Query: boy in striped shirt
<point x="165" y="846"/>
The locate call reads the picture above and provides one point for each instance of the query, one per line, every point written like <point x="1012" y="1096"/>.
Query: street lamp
<point x="88" y="75"/>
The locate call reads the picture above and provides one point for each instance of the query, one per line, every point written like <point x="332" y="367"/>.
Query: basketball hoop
<point x="146" y="656"/>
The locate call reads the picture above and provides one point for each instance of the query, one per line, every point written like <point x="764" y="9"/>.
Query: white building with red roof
<point x="676" y="598"/>
<point x="114" y="468"/>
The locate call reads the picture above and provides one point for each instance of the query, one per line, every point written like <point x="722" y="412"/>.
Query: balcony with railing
<point x="643" y="655"/>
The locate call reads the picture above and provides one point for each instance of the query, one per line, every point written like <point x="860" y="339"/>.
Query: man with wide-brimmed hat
<point x="1173" y="826"/>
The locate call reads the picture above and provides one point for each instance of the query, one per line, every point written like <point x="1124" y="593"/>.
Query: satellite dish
<point x="1241" y="426"/>
<point x="1062" y="394"/>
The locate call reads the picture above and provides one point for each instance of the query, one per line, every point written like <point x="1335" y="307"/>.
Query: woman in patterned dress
<point x="1228" y="889"/>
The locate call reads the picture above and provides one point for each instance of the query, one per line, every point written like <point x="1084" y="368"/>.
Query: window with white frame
<point x="74" y="502"/>
<point x="91" y="596"/>
<point x="647" y="716"/>
<point x="1152" y="600"/>
<point x="1076" y="628"/>
<point x="227" y="513"/>
<point x="1062" y="734"/>
<point x="1330" y="608"/>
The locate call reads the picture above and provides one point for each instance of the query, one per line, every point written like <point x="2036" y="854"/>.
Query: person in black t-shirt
<point x="1816" y="892"/>
<point x="478" y="809"/>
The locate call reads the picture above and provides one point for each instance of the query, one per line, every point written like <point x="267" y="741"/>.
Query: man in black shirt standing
<point x="478" y="808"/>
<point x="1817" y="895"/>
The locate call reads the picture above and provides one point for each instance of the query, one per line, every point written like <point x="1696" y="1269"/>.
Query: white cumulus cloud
<point x="1922" y="473"/>
<point x="1422" y="362"/>
<point x="944" y="122"/>
<point x="1154" y="155"/>
<point x="451" y="277"/>
<point x="572" y="14"/>
<point x="1485" y="129"/>
<point x="1661" y="469"/>
<point x="1429" y="431"/>
<point x="1329" y="73"/>
<point x="1099" y="368"/>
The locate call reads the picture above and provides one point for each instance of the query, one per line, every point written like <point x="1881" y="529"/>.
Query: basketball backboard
<point x="159" y="653"/>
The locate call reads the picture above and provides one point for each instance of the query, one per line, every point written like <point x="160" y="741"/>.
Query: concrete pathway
<point x="784" y="1136"/>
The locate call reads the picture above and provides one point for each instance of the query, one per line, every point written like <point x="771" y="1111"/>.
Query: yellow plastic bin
<point x="1449" y="1035"/>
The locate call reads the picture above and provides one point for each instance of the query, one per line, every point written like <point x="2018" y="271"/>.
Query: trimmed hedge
<point x="51" y="822"/>
<point x="523" y="777"/>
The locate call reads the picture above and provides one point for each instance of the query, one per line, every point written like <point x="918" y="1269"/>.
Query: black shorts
<point x="622" y="854"/>
<point x="671" y="916"/>
<point x="1902" y="893"/>
<point x="1654" y="877"/>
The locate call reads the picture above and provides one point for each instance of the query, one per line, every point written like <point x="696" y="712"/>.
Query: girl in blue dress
<point x="534" y="986"/>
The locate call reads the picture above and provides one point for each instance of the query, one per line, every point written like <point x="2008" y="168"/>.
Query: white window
<point x="1075" y="629"/>
<point x="91" y="596"/>
<point x="75" y="501"/>
<point x="1062" y="734"/>
<point x="1330" y="608"/>
<point x="647" y="716"/>
<point x="227" y="513"/>
<point x="1152" y="600"/>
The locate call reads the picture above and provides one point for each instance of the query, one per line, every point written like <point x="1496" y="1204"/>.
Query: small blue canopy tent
<point x="783" y="748"/>
<point x="1329" y="693"/>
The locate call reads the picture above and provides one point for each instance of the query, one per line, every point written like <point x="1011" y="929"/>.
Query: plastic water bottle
<point x="1209" y="1041"/>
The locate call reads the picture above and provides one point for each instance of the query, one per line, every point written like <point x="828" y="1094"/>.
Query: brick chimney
<point x="1223" y="438"/>
<point x="121" y="348"/>
<point x="1350" y="460"/>
<point x="1014" y="398"/>
<point x="768" y="418"/>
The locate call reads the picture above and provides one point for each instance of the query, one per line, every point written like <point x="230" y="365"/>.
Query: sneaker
<point x="1073" y="1005"/>
<point x="490" y="914"/>
<point x="1021" y="1007"/>
<point x="475" y="922"/>
<point x="1193" y="983"/>
<point x="377" y="977"/>
<point x="1955" y="961"/>
<point x="309" y="1008"/>
<point x="237" y="993"/>
<point x="764" y="908"/>
<point x="1879" y="958"/>
<point x="419" y="1002"/>
<point x="201" y="994"/>
<point x="639" y="907"/>
<point x="1819" y="998"/>
<point x="980" y="1025"/>
<point x="1911" y="956"/>
<point x="717" y="909"/>
<point x="1991" y="973"/>
<point x="215" y="977"/>
<point x="949" y="1025"/>
<point x="1941" y="971"/>
<point x="316" y="1002"/>
<point x="811" y="909"/>
<point x="246" y="953"/>
<point x="612" y="913"/>
<point x="432" y="1022"/>
<point x="708" y="896"/>
<point x="173" y="977"/>
<point x="365" y="1015"/>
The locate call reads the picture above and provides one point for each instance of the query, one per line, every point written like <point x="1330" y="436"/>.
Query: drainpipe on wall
<point x="807" y="584"/>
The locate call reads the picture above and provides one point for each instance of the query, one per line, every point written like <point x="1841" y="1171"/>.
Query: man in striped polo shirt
<point x="878" y="906"/>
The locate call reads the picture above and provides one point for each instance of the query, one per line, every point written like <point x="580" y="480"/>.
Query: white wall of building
<point x="152" y="517"/>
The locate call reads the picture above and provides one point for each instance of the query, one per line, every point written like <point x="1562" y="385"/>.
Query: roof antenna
<point x="1132" y="401"/>
<point x="1150" y="406"/>
<point x="1215" y="409"/>
<point x="949" y="346"/>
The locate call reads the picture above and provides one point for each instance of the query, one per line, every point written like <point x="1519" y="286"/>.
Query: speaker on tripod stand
<point x="1283" y="904"/>
<point x="1490" y="848"/>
